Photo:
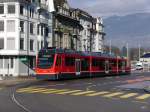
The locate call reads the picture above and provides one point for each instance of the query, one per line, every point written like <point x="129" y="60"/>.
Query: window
<point x="85" y="65"/>
<point x="95" y="62"/>
<point x="38" y="29"/>
<point x="10" y="25"/>
<point x="33" y="1"/>
<point x="41" y="44"/>
<point x="50" y="30"/>
<point x="31" y="28"/>
<point x="1" y="62"/>
<point x="11" y="63"/>
<point x="31" y="12"/>
<point x="102" y="64"/>
<point x="39" y="1"/>
<point x="21" y="9"/>
<point x="38" y="45"/>
<point x="31" y="45"/>
<point x="22" y="26"/>
<point x="11" y="9"/>
<point x="1" y="43"/>
<point x="10" y="43"/>
<point x="70" y="61"/>
<point x="1" y="9"/>
<point x="45" y="60"/>
<point x="42" y="33"/>
<point x="6" y="63"/>
<point x="46" y="31"/>
<point x="21" y="44"/>
<point x="1" y="26"/>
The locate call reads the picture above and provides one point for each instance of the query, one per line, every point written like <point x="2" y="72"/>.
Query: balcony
<point x="67" y="13"/>
<point x="42" y="6"/>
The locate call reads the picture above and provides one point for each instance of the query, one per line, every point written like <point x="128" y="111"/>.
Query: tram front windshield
<point x="45" y="60"/>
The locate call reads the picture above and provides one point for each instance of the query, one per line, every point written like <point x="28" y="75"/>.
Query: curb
<point x="15" y="81"/>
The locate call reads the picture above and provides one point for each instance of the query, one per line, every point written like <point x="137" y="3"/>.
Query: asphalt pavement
<point x="104" y="94"/>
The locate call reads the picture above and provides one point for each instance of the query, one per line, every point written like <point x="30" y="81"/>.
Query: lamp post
<point x="139" y="51"/>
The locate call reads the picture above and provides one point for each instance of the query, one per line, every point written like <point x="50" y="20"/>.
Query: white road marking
<point x="20" y="105"/>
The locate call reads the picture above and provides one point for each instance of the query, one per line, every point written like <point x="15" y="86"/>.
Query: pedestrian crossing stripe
<point x="128" y="95"/>
<point x="69" y="92"/>
<point x="82" y="93"/>
<point x="106" y="94"/>
<point x="29" y="90"/>
<point x="142" y="97"/>
<point x="98" y="93"/>
<point x="113" y="94"/>
<point x="55" y="91"/>
<point x="41" y="90"/>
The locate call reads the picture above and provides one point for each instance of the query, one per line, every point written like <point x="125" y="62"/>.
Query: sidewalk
<point x="12" y="81"/>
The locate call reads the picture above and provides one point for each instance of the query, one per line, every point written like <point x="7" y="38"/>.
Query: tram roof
<point x="81" y="53"/>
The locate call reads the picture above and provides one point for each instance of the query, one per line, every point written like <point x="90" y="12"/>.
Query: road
<point x="104" y="94"/>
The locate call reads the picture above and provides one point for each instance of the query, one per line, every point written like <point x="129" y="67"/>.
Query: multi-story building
<point x="92" y="35"/>
<point x="66" y="26"/>
<point x="99" y="37"/>
<point x="25" y="27"/>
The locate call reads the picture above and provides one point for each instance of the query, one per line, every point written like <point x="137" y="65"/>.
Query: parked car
<point x="139" y="67"/>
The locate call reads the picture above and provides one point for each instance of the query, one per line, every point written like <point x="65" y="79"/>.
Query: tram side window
<point x="124" y="64"/>
<point x="58" y="62"/>
<point x="102" y="64"/>
<point x="113" y="63"/>
<point x="84" y="65"/>
<point x="70" y="61"/>
<point x="95" y="62"/>
<point x="120" y="64"/>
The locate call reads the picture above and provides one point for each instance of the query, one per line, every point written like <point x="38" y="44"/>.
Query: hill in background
<point x="133" y="28"/>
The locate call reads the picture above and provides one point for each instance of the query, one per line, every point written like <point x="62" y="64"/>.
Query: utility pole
<point x="139" y="52"/>
<point x="110" y="48"/>
<point x="127" y="46"/>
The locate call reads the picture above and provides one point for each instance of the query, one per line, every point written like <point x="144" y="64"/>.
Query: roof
<point x="67" y="51"/>
<point x="147" y="55"/>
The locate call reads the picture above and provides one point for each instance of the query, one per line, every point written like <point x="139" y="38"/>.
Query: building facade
<point x="92" y="35"/>
<point x="99" y="37"/>
<point x="66" y="26"/>
<point x="25" y="27"/>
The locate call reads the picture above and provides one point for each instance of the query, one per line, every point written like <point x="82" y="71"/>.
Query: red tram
<point x="54" y="64"/>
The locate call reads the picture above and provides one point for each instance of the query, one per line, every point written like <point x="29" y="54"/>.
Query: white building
<point x="99" y="37"/>
<point x="25" y="27"/>
<point x="92" y="35"/>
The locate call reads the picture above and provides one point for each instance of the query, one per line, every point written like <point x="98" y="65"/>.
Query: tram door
<point x="78" y="66"/>
<point x="106" y="67"/>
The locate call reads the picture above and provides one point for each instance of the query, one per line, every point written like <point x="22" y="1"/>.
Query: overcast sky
<point x="111" y="7"/>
